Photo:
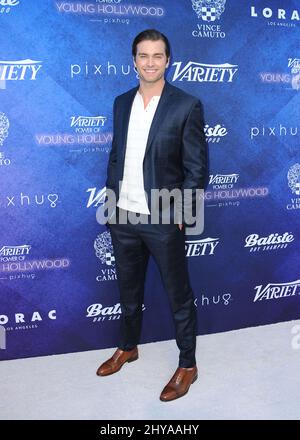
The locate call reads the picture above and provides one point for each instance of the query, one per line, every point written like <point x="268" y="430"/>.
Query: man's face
<point x="151" y="61"/>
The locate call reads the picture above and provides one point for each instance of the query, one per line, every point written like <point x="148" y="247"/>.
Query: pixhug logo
<point x="280" y="131"/>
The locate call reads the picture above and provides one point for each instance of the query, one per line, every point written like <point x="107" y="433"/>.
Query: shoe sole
<point x="181" y="395"/>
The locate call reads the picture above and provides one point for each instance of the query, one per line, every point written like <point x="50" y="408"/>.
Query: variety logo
<point x="205" y="246"/>
<point x="96" y="199"/>
<point x="255" y="243"/>
<point x="87" y="138"/>
<point x="104" y="251"/>
<point x="87" y="124"/>
<point x="199" y="72"/>
<point x="276" y="131"/>
<point x="208" y="11"/>
<point x="284" y="17"/>
<point x="15" y="251"/>
<point x="276" y="291"/>
<point x="294" y="65"/>
<point x="26" y="321"/>
<point x="18" y="71"/>
<point x="292" y="79"/>
<point x="215" y="133"/>
<point x="224" y="193"/>
<point x="5" y="5"/>
<point x="223" y="180"/>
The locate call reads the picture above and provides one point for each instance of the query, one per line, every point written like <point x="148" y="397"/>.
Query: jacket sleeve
<point x="112" y="161"/>
<point x="194" y="150"/>
<point x="194" y="162"/>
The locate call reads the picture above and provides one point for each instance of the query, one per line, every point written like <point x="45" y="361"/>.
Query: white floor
<point x="252" y="373"/>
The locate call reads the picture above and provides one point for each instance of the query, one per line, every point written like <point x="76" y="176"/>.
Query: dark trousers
<point x="166" y="243"/>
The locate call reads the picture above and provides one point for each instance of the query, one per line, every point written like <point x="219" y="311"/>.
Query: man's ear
<point x="168" y="62"/>
<point x="134" y="63"/>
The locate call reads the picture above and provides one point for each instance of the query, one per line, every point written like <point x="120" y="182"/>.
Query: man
<point x="158" y="143"/>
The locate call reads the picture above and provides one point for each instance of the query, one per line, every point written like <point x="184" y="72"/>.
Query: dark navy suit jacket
<point x="175" y="155"/>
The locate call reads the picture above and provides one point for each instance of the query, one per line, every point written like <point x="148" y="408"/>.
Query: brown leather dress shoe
<point x="179" y="384"/>
<point x="118" y="359"/>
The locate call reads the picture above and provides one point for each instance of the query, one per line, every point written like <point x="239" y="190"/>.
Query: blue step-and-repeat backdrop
<point x="61" y="65"/>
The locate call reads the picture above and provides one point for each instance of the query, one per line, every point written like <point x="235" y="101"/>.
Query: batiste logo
<point x="256" y="243"/>
<point x="5" y="5"/>
<point x="9" y="2"/>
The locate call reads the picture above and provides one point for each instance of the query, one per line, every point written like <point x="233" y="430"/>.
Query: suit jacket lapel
<point x="159" y="114"/>
<point x="126" y="115"/>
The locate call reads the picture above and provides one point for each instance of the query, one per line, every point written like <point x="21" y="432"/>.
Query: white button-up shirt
<point x="132" y="195"/>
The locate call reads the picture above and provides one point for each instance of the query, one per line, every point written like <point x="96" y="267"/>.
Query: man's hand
<point x="180" y="226"/>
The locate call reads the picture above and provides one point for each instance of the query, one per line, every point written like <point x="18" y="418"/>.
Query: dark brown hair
<point x="152" y="35"/>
